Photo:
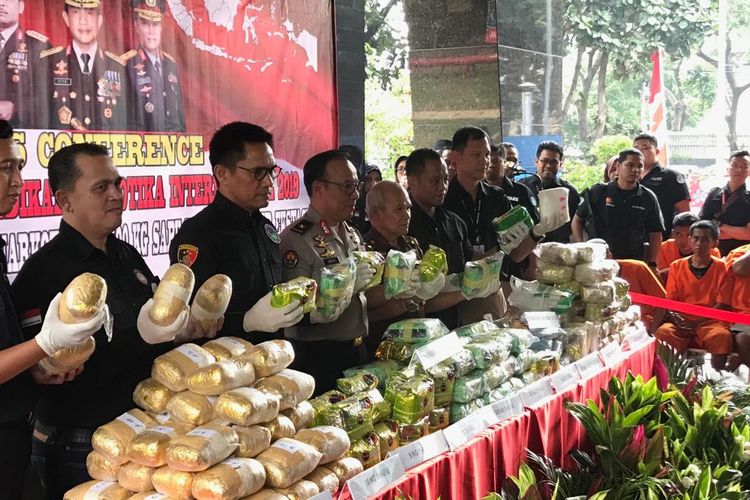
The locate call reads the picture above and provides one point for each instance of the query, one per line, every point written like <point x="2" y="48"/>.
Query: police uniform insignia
<point x="149" y="106"/>
<point x="140" y="277"/>
<point x="61" y="68"/>
<point x="272" y="233"/>
<point x="680" y="179"/>
<point x="325" y="228"/>
<point x="302" y="227"/>
<point x="327" y="252"/>
<point x="172" y="78"/>
<point x="291" y="259"/>
<point x="64" y="114"/>
<point x="187" y="254"/>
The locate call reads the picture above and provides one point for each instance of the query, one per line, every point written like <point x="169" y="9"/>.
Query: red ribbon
<point x="706" y="312"/>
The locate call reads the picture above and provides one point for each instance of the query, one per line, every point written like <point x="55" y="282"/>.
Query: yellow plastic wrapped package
<point x="345" y="468"/>
<point x="100" y="467"/>
<point x="301" y="415"/>
<point x="191" y="408"/>
<point x="97" y="490"/>
<point x="211" y="300"/>
<point x="228" y="347"/>
<point x="271" y="357"/>
<point x="280" y="427"/>
<point x="247" y="406"/>
<point x="324" y="479"/>
<point x="233" y="478"/>
<point x="112" y="439"/>
<point x="174" y="367"/>
<point x="135" y="477"/>
<point x="331" y="442"/>
<point x="252" y="440"/>
<point x="301" y="490"/>
<point x="152" y="395"/>
<point x="222" y="376"/>
<point x="173" y="483"/>
<point x="149" y="447"/>
<point x="202" y="447"/>
<point x="287" y="461"/>
<point x="172" y="295"/>
<point x="291" y="386"/>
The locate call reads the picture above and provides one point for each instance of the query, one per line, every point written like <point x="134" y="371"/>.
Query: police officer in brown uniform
<point x="88" y="84"/>
<point x="157" y="95"/>
<point x="24" y="75"/>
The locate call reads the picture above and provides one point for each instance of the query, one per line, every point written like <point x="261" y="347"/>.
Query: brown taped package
<point x="301" y="490"/>
<point x="82" y="298"/>
<point x="149" y="447"/>
<point x="301" y="415"/>
<point x="291" y="386"/>
<point x="345" y="468"/>
<point x="190" y="408"/>
<point x="172" y="294"/>
<point x="230" y="479"/>
<point x="135" y="477"/>
<point x="100" y="467"/>
<point x="152" y="395"/>
<point x="324" y="479"/>
<point x="247" y="406"/>
<point x="202" y="447"/>
<point x="271" y="357"/>
<point x="332" y="442"/>
<point x="280" y="427"/>
<point x="68" y="359"/>
<point x="228" y="347"/>
<point x="112" y="439"/>
<point x="174" y="367"/>
<point x="173" y="483"/>
<point x="211" y="300"/>
<point x="97" y="490"/>
<point x="266" y="494"/>
<point x="222" y="376"/>
<point x="287" y="461"/>
<point x="253" y="440"/>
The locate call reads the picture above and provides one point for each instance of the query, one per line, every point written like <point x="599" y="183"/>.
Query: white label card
<point x="533" y="394"/>
<point x="611" y="353"/>
<point x="374" y="479"/>
<point x="501" y="410"/>
<point x="540" y="320"/>
<point x="422" y="450"/>
<point x="465" y="429"/>
<point x="195" y="356"/>
<point x="637" y="339"/>
<point x="132" y="422"/>
<point x="437" y="351"/>
<point x="323" y="495"/>
<point x="565" y="378"/>
<point x="589" y="364"/>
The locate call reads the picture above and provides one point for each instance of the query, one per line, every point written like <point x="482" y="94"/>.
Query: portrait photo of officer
<point x="24" y="75"/>
<point x="157" y="93"/>
<point x="88" y="84"/>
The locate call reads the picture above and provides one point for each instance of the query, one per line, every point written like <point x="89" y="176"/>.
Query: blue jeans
<point x="58" y="456"/>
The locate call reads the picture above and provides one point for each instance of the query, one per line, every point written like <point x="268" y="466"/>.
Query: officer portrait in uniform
<point x="88" y="84"/>
<point x="24" y="75"/>
<point x="157" y="94"/>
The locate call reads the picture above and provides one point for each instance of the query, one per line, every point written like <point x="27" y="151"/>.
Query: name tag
<point x="463" y="430"/>
<point x="501" y="410"/>
<point x="63" y="81"/>
<point x="369" y="482"/>
<point x="421" y="450"/>
<point x="589" y="364"/>
<point x="565" y="378"/>
<point x="611" y="353"/>
<point x="478" y="249"/>
<point x="533" y="394"/>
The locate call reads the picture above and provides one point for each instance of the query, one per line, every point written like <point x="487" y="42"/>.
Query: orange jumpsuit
<point x="735" y="291"/>
<point x="642" y="280"/>
<point x="670" y="252"/>
<point x="683" y="286"/>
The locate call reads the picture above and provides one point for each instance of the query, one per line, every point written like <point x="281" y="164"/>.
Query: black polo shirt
<point x="104" y="389"/>
<point x="225" y="238"/>
<point x="728" y="208"/>
<point x="669" y="187"/>
<point x="534" y="183"/>
<point x="18" y="394"/>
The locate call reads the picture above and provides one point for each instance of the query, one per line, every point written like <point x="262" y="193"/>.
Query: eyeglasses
<point x="551" y="163"/>
<point x="349" y="187"/>
<point x="260" y="173"/>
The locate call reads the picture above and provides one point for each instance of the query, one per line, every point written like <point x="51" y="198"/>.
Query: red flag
<point x="657" y="113"/>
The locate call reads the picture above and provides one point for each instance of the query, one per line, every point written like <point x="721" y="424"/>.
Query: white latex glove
<point x="155" y="334"/>
<point x="365" y="272"/>
<point x="263" y="317"/>
<point x="548" y="224"/>
<point x="452" y="283"/>
<point x="513" y="237"/>
<point x="429" y="289"/>
<point x="412" y="286"/>
<point x="56" y="335"/>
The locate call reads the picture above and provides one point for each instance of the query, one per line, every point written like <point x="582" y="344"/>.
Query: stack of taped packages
<point x="227" y="420"/>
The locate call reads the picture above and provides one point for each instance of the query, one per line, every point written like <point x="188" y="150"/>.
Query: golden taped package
<point x="301" y="415"/>
<point x="271" y="357"/>
<point x="252" y="440"/>
<point x="291" y="386"/>
<point x="112" y="439"/>
<point x="324" y="479"/>
<point x="301" y="490"/>
<point x="332" y="442"/>
<point x="280" y="427"/>
<point x="173" y="483"/>
<point x="222" y="376"/>
<point x="202" y="447"/>
<point x="191" y="408"/>
<point x="247" y="406"/>
<point x="135" y="477"/>
<point x="174" y="367"/>
<point x="172" y="294"/>
<point x="233" y="478"/>
<point x="84" y="297"/>
<point x="211" y="300"/>
<point x="149" y="447"/>
<point x="228" y="347"/>
<point x="287" y="461"/>
<point x="68" y="359"/>
<point x="345" y="468"/>
<point x="152" y="395"/>
<point x="100" y="467"/>
<point x="266" y="494"/>
<point x="97" y="490"/>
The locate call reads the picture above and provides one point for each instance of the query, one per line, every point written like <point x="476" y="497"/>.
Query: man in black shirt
<point x="669" y="186"/>
<point x="549" y="159"/>
<point x="232" y="236"/>
<point x="623" y="213"/>
<point x="88" y="189"/>
<point x="729" y="206"/>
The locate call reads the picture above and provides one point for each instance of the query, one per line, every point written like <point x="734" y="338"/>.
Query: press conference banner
<point x="151" y="80"/>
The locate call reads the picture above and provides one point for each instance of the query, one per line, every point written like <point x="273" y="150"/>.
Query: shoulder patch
<point x="291" y="259"/>
<point x="129" y="55"/>
<point x="302" y="226"/>
<point x="115" y="58"/>
<point x="187" y="254"/>
<point x="168" y="56"/>
<point x="50" y="52"/>
<point x="31" y="317"/>
<point x="37" y="36"/>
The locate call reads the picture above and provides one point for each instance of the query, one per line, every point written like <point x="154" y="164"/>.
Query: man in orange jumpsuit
<point x="642" y="279"/>
<point x="678" y="246"/>
<point x="697" y="280"/>
<point x="735" y="296"/>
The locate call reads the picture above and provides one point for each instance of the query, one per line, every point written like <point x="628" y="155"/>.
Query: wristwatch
<point x="410" y="305"/>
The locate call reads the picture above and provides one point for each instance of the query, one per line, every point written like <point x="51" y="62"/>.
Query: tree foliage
<point x="385" y="46"/>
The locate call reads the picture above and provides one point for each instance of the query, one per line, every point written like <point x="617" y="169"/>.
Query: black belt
<point x="44" y="433"/>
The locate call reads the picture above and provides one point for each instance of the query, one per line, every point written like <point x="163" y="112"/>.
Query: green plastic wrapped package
<point x="478" y="273"/>
<point x="534" y="296"/>
<point x="500" y="392"/>
<point x="553" y="274"/>
<point x="359" y="382"/>
<point x="469" y="387"/>
<point x="324" y="401"/>
<point x="394" y="351"/>
<point x="507" y="221"/>
<point x="366" y="450"/>
<point x="439" y="418"/>
<point x="477" y="329"/>
<point x="408" y="433"/>
<point x="461" y="410"/>
<point x="497" y="374"/>
<point x="601" y="293"/>
<point x="433" y="264"/>
<point x="520" y="339"/>
<point x="381" y="369"/>
<point x="415" y="330"/>
<point x="625" y="303"/>
<point x="353" y="414"/>
<point x="444" y="377"/>
<point x="462" y="362"/>
<point x="599" y="312"/>
<point x="411" y="395"/>
<point x="576" y="342"/>
<point x="397" y="274"/>
<point x="302" y="289"/>
<point x="387" y="432"/>
<point x="622" y="288"/>
<point x="336" y="285"/>
<point x="488" y="351"/>
<point x="381" y="409"/>
<point x="374" y="259"/>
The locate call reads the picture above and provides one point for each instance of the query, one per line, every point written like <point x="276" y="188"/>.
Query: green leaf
<point x="635" y="418"/>
<point x="703" y="486"/>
